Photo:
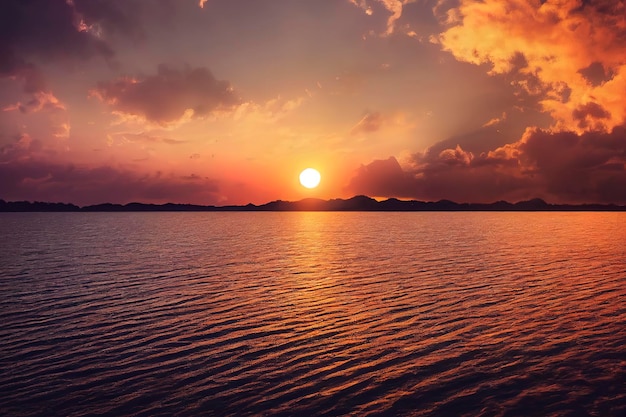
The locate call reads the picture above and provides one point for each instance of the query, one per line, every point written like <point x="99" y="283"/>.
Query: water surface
<point x="476" y="314"/>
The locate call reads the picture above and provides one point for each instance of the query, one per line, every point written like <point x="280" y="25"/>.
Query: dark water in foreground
<point x="156" y="314"/>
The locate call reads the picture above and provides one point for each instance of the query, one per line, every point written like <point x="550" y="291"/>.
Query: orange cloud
<point x="394" y="7"/>
<point x="495" y="120"/>
<point x="572" y="53"/>
<point x="269" y="112"/>
<point x="40" y="100"/>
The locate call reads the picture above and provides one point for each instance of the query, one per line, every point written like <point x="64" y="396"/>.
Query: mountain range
<point x="356" y="203"/>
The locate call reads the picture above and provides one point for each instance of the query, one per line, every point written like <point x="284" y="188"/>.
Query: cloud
<point x="50" y="30"/>
<point x="35" y="31"/>
<point x="45" y="29"/>
<point x="495" y="120"/>
<point x="40" y="100"/>
<point x="36" y="179"/>
<point x="271" y="111"/>
<point x="596" y="74"/>
<point x="21" y="148"/>
<point x="392" y="7"/>
<point x="101" y="18"/>
<point x="564" y="166"/>
<point x="62" y="131"/>
<point x="575" y="167"/>
<point x="442" y="177"/>
<point x="31" y="171"/>
<point x="145" y="138"/>
<point x="590" y="115"/>
<point x="168" y="96"/>
<point x="371" y="122"/>
<point x="570" y="52"/>
<point x="383" y="178"/>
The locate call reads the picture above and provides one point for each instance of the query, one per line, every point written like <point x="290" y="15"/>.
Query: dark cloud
<point x="562" y="167"/>
<point x="590" y="115"/>
<point x="49" y="30"/>
<point x="383" y="178"/>
<point x="445" y="176"/>
<point x="606" y="7"/>
<point x="111" y="16"/>
<point x="166" y="96"/>
<point x="579" y="168"/>
<point x="596" y="74"/>
<point x="33" y="179"/>
<point x="33" y="32"/>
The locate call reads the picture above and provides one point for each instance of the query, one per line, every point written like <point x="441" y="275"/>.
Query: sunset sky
<point x="227" y="101"/>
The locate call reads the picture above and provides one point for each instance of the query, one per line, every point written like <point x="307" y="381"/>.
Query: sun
<point x="310" y="178"/>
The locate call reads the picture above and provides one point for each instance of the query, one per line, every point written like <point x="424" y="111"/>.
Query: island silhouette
<point x="356" y="203"/>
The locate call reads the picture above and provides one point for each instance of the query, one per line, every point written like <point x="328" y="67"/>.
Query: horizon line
<point x="355" y="203"/>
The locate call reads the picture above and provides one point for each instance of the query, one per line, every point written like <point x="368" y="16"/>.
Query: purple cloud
<point x="36" y="179"/>
<point x="169" y="95"/>
<point x="560" y="167"/>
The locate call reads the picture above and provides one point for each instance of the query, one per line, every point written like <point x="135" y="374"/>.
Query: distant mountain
<point x="356" y="203"/>
<point x="36" y="206"/>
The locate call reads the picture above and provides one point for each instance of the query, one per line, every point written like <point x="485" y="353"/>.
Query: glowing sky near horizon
<point x="227" y="101"/>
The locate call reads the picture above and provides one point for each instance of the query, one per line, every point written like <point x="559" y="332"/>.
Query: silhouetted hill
<point x="36" y="206"/>
<point x="356" y="203"/>
<point x="532" y="205"/>
<point x="147" y="207"/>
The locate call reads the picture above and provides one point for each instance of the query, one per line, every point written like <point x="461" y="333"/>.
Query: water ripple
<point x="467" y="314"/>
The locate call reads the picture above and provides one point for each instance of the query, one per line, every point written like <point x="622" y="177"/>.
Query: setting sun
<point x="310" y="178"/>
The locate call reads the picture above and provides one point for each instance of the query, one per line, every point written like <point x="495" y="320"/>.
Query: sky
<point x="223" y="102"/>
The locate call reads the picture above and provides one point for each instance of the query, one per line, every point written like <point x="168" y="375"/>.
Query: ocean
<point x="313" y="313"/>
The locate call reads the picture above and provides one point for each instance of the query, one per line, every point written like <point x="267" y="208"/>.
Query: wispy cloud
<point x="371" y="122"/>
<point x="392" y="7"/>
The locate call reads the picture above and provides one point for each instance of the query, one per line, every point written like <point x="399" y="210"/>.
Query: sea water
<point x="313" y="313"/>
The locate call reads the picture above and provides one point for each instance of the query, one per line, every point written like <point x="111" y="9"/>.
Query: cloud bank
<point x="40" y="180"/>
<point x="562" y="167"/>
